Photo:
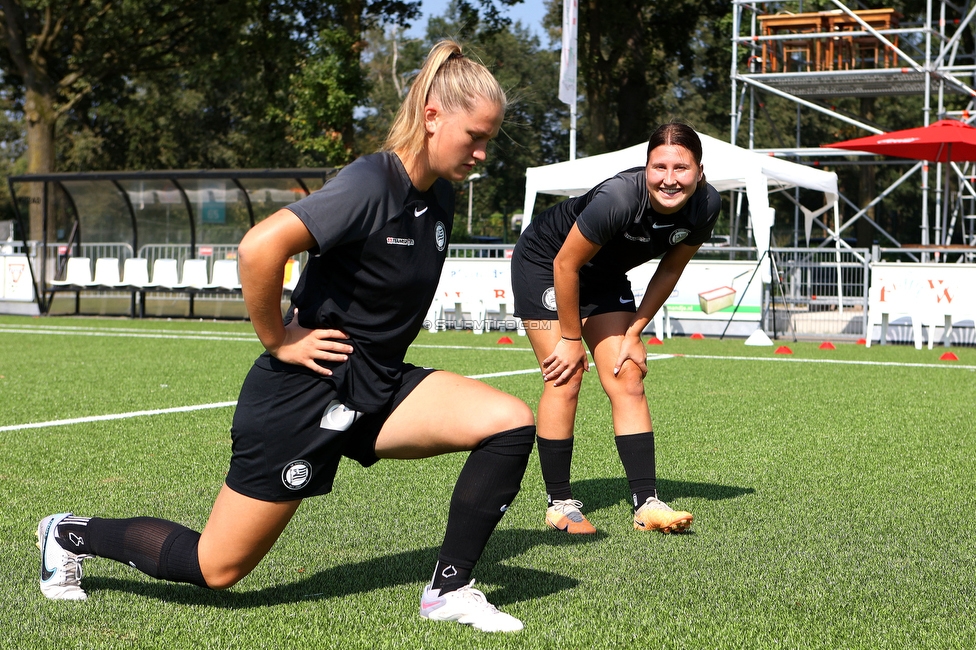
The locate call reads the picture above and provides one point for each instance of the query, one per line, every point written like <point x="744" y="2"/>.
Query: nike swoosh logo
<point x="46" y="574"/>
<point x="417" y="212"/>
<point x="658" y="226"/>
<point x="431" y="605"/>
<point x="624" y="302"/>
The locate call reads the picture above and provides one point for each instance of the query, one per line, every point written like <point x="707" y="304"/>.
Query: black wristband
<point x="566" y="338"/>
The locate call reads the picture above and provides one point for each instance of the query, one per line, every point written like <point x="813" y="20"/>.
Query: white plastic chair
<point x="135" y="273"/>
<point x="194" y="275"/>
<point x="662" y="323"/>
<point x="962" y="308"/>
<point x="107" y="273"/>
<point x="224" y="276"/>
<point x="77" y="273"/>
<point x="497" y="296"/>
<point x="165" y="274"/>
<point x="435" y="313"/>
<point x="888" y="303"/>
<point x="458" y="299"/>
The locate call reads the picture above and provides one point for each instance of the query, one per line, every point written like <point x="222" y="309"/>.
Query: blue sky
<point x="529" y="13"/>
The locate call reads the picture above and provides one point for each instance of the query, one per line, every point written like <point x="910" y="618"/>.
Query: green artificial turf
<point x="832" y="492"/>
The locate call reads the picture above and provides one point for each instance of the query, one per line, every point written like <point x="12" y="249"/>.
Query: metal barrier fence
<point x="817" y="291"/>
<point x="57" y="254"/>
<point x="954" y="254"/>
<point x="501" y="251"/>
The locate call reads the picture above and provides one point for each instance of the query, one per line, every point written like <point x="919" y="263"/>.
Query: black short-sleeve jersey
<point x="617" y="215"/>
<point x="381" y="244"/>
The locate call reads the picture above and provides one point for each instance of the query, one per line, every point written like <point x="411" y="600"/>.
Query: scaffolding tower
<point x="812" y="57"/>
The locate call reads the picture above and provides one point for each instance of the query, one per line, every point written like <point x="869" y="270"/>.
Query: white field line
<point x="130" y="333"/>
<point x="844" y="362"/>
<point x="185" y="409"/>
<point x="509" y="373"/>
<point x="117" y="416"/>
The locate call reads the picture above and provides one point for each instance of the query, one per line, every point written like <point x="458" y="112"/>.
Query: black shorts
<point x="535" y="295"/>
<point x="290" y="431"/>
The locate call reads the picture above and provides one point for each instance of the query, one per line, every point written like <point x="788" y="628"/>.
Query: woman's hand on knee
<point x="631" y="349"/>
<point x="566" y="359"/>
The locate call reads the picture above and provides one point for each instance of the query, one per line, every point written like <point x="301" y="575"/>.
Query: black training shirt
<point x="617" y="215"/>
<point x="381" y="244"/>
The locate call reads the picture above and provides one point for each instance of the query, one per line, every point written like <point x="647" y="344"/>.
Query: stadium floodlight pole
<point x="567" y="68"/>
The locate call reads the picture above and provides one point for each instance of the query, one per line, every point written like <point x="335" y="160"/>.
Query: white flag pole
<point x="567" y="69"/>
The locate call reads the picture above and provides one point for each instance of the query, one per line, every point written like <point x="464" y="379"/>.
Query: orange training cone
<point x="862" y="342"/>
<point x="697" y="336"/>
<point x="505" y="341"/>
<point x="827" y="345"/>
<point x="949" y="356"/>
<point x="783" y="350"/>
<point x="655" y="341"/>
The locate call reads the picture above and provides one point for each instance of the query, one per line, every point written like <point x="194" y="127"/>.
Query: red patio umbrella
<point x="943" y="141"/>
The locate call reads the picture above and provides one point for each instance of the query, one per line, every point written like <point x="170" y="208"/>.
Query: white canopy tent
<point x="727" y="167"/>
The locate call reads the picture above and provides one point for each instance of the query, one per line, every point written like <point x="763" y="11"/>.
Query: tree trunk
<point x="594" y="73"/>
<point x="41" y="117"/>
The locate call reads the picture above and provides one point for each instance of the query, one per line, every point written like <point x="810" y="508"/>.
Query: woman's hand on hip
<point x="306" y="347"/>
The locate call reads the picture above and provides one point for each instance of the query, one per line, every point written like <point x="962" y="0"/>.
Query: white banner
<point x="708" y="290"/>
<point x="15" y="278"/>
<point x="567" y="62"/>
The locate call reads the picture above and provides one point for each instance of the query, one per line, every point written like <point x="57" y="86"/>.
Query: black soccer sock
<point x="556" y="458"/>
<point x="489" y="481"/>
<point x="637" y="455"/>
<point x="159" y="548"/>
<point x="71" y="534"/>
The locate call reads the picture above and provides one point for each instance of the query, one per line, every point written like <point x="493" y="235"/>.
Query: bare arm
<point x="569" y="355"/>
<point x="262" y="255"/>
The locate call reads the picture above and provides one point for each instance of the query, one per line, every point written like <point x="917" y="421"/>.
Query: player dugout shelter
<point x="174" y="215"/>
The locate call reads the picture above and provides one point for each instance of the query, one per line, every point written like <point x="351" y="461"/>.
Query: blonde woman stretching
<point x="333" y="381"/>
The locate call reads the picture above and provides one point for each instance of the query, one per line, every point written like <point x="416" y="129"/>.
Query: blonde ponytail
<point x="455" y="81"/>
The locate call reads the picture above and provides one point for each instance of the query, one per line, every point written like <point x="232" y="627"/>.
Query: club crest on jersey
<point x="678" y="235"/>
<point x="399" y="241"/>
<point x="549" y="299"/>
<point x="440" y="236"/>
<point x="296" y="474"/>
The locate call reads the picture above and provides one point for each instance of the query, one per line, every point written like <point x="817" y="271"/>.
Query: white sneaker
<point x="468" y="606"/>
<point x="60" y="569"/>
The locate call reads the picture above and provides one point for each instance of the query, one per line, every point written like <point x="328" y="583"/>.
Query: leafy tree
<point x="161" y="83"/>
<point x="632" y="55"/>
<point x="533" y="132"/>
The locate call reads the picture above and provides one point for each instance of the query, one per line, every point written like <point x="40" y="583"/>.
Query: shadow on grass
<point x="507" y="584"/>
<point x="600" y="493"/>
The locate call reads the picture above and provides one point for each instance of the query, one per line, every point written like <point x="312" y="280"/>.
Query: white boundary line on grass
<point x="508" y="373"/>
<point x="117" y="416"/>
<point x="849" y="362"/>
<point x="187" y="409"/>
<point x="131" y="333"/>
